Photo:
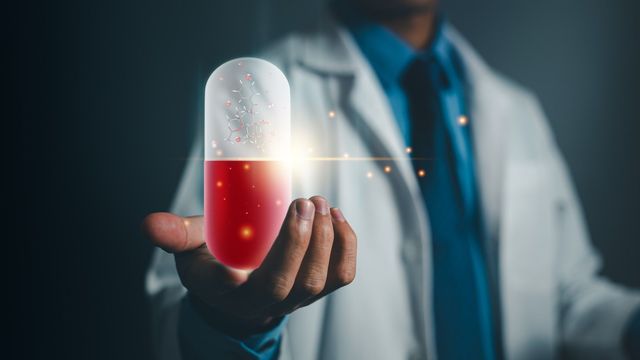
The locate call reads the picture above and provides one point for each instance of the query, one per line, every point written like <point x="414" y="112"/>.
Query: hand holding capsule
<point x="313" y="255"/>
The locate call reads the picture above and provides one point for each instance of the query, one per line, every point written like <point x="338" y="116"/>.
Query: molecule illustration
<point x="244" y="118"/>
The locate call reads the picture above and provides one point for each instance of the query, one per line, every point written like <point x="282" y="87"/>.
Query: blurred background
<point x="102" y="99"/>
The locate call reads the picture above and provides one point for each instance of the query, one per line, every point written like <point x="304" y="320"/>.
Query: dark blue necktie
<point x="461" y="330"/>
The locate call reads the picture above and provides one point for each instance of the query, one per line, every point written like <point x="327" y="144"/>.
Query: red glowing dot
<point x="219" y="183"/>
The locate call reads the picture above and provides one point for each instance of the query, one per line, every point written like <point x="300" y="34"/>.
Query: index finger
<point x="173" y="233"/>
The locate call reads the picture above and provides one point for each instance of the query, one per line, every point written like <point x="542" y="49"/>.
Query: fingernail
<point x="337" y="214"/>
<point x="322" y="207"/>
<point x="305" y="209"/>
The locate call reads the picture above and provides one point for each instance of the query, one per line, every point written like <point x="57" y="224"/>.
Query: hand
<point x="313" y="255"/>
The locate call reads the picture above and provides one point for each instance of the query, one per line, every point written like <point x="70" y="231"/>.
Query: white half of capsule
<point x="247" y="112"/>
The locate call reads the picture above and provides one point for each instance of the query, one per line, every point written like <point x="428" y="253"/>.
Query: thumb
<point x="174" y="233"/>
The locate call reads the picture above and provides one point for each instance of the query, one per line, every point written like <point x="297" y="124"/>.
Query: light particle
<point x="246" y="232"/>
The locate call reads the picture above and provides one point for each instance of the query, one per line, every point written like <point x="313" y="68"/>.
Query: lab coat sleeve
<point x="170" y="319"/>
<point x="594" y="312"/>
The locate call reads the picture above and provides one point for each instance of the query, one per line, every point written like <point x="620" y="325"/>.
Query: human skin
<point x="411" y="20"/>
<point x="313" y="255"/>
<point x="315" y="252"/>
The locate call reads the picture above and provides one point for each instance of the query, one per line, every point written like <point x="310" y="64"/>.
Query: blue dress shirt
<point x="201" y="341"/>
<point x="462" y="306"/>
<point x="389" y="57"/>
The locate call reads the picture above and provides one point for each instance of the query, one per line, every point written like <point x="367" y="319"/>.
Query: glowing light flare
<point x="332" y="114"/>
<point x="369" y="175"/>
<point x="246" y="232"/>
<point x="422" y="173"/>
<point x="387" y="169"/>
<point x="463" y="120"/>
<point x="408" y="150"/>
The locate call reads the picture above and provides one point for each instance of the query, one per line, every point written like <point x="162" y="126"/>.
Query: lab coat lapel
<point x="370" y="112"/>
<point x="487" y="108"/>
<point x="353" y="86"/>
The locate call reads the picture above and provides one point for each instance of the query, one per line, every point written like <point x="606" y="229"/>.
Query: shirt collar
<point x="387" y="53"/>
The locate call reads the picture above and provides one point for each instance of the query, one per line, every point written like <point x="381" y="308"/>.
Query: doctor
<point x="471" y="241"/>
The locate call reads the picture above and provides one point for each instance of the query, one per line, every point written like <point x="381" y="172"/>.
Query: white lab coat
<point x="553" y="303"/>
